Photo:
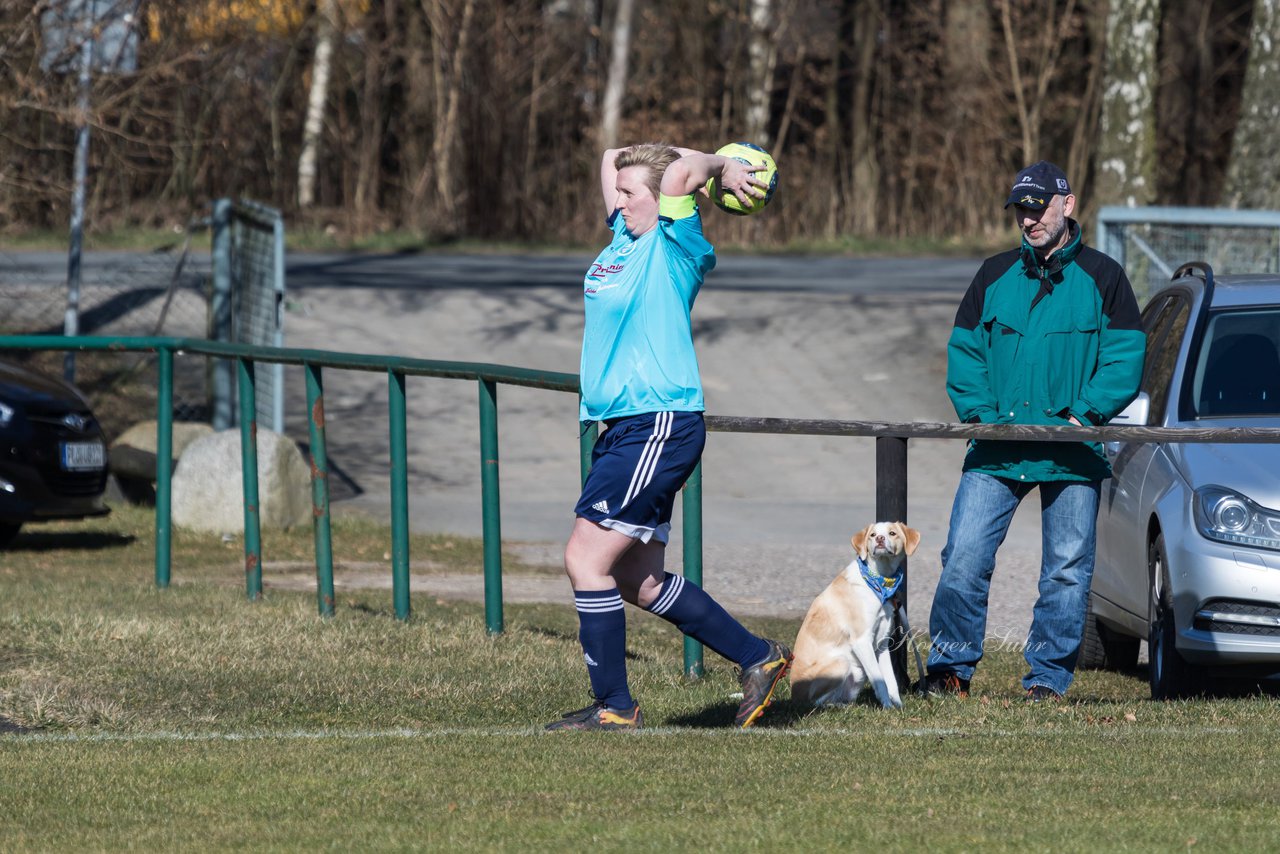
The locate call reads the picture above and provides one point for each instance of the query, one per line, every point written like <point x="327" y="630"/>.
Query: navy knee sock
<point x="602" y="631"/>
<point x="695" y="613"/>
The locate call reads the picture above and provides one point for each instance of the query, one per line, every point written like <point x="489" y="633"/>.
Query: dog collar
<point x="881" y="586"/>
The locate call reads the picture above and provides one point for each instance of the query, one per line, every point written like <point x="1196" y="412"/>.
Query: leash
<point x="906" y="636"/>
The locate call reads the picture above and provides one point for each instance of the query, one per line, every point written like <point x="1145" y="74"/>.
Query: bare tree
<point x="863" y="23"/>
<point x="1033" y="62"/>
<point x="463" y="117"/>
<point x="1253" y="179"/>
<point x="1126" y="150"/>
<point x="326" y="25"/>
<point x="616" y="84"/>
<point x="971" y="136"/>
<point x="762" y="57"/>
<point x="1084" y="134"/>
<point x="448" y="69"/>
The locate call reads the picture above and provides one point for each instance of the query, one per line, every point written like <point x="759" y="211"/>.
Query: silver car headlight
<point x="1227" y="516"/>
<point x="6" y="414"/>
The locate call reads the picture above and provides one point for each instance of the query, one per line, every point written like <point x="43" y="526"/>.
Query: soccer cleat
<point x="943" y="684"/>
<point x="1042" y="694"/>
<point x="598" y="716"/>
<point x="758" y="682"/>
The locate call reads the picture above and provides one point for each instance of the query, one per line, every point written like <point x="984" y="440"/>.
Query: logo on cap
<point x="1030" y="200"/>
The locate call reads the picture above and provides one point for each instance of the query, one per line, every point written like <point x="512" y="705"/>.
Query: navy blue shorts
<point x="638" y="465"/>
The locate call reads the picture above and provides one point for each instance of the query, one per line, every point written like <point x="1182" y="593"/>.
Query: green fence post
<point x="249" y="470"/>
<point x="164" y="468"/>
<point x="399" y="495"/>
<point x="691" y="504"/>
<point x="320" y="490"/>
<point x="491" y="511"/>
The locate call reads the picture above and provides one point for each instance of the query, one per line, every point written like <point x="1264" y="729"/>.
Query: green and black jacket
<point x="1038" y="341"/>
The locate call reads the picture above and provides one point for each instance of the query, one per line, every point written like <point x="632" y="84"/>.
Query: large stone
<point x="142" y="436"/>
<point x="132" y="457"/>
<point x="208" y="494"/>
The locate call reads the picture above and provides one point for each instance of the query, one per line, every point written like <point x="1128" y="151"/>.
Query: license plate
<point x="79" y="456"/>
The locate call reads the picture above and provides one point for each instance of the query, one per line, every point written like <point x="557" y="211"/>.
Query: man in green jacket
<point x="1048" y="333"/>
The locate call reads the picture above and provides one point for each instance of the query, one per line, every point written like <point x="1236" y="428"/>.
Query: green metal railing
<point x="891" y="454"/>
<point x="488" y="377"/>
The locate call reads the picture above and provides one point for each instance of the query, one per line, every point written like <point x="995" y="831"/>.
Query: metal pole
<point x="891" y="506"/>
<point x="490" y="504"/>
<point x="319" y="490"/>
<point x="277" y="386"/>
<point x="220" y="312"/>
<point x="80" y="169"/>
<point x="691" y="506"/>
<point x="164" y="467"/>
<point x="249" y="472"/>
<point x="399" y="495"/>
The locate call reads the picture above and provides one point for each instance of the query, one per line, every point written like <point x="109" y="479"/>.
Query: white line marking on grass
<point x="507" y="732"/>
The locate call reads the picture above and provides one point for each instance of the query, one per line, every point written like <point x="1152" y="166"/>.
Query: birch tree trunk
<point x="1126" y="149"/>
<point x="327" y="12"/>
<point x="1253" y="179"/>
<point x="762" y="56"/>
<point x="616" y="84"/>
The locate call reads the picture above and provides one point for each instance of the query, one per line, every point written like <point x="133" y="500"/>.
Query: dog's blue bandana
<point x="881" y="586"/>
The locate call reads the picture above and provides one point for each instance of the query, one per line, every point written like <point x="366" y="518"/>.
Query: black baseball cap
<point x="1037" y="184"/>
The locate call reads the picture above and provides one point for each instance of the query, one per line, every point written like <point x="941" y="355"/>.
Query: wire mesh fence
<point x="248" y="243"/>
<point x="1151" y="243"/>
<point x="160" y="292"/>
<point x="181" y="289"/>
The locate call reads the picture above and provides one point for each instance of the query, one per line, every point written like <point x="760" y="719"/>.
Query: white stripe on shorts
<point x="648" y="464"/>
<point x="669" y="598"/>
<point x="598" y="606"/>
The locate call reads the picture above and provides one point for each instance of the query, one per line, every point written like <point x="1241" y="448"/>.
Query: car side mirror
<point x="1135" y="414"/>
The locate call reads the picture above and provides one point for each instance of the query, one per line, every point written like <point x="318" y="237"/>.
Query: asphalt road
<point x="753" y="272"/>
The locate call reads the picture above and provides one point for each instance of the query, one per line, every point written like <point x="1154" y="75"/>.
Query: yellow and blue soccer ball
<point x="752" y="155"/>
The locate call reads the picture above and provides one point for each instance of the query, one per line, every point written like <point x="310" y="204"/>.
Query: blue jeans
<point x="980" y="518"/>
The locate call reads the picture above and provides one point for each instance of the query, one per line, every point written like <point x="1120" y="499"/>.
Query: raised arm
<point x="609" y="179"/>
<point x="694" y="169"/>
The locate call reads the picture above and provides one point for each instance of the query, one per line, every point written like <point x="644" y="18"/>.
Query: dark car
<point x="52" y="453"/>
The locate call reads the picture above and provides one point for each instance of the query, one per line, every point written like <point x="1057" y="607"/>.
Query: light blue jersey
<point x="637" y="348"/>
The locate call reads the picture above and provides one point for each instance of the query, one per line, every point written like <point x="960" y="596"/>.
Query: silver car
<point x="1189" y="533"/>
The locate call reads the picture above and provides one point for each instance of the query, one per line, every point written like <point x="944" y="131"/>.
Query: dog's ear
<point x="860" y="541"/>
<point x="910" y="536"/>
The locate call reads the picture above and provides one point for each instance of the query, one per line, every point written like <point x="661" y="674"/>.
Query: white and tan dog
<point x="845" y="638"/>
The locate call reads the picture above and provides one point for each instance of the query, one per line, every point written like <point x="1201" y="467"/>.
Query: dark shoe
<point x="758" y="682"/>
<point x="1042" y="694"/>
<point x="598" y="716"/>
<point x="943" y="685"/>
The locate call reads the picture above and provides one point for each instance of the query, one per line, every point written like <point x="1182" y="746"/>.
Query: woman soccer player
<point x="640" y="382"/>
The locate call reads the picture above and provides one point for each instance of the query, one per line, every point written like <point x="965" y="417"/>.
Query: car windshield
<point x="1239" y="366"/>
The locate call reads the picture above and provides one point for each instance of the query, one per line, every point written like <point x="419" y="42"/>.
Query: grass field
<point x="191" y="718"/>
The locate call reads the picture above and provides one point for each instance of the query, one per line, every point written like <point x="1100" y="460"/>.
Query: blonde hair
<point x="656" y="156"/>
